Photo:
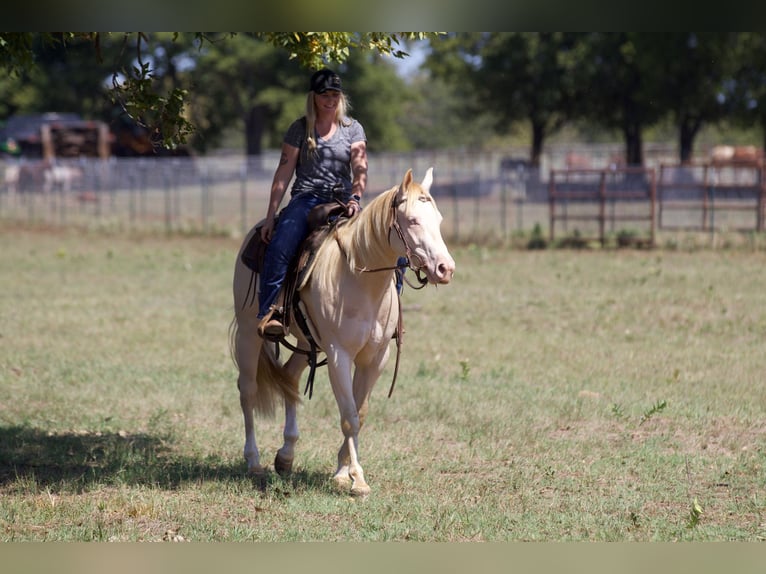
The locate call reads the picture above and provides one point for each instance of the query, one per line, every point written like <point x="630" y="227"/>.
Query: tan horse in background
<point x="350" y="303"/>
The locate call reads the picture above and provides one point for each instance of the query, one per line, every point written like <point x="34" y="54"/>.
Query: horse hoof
<point x="360" y="491"/>
<point x="256" y="470"/>
<point x="342" y="482"/>
<point x="282" y="465"/>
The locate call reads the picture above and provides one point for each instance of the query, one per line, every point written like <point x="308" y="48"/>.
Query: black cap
<point x="324" y="80"/>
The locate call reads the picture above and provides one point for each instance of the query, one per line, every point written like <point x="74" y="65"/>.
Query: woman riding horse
<point x="326" y="150"/>
<point x="347" y="299"/>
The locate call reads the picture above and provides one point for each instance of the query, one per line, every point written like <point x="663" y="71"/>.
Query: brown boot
<point x="271" y="327"/>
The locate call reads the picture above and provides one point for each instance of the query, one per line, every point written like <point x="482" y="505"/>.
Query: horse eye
<point x="414" y="221"/>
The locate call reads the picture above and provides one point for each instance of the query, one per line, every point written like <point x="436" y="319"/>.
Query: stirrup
<point x="271" y="327"/>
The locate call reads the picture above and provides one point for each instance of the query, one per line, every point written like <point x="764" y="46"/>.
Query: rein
<point x="422" y="281"/>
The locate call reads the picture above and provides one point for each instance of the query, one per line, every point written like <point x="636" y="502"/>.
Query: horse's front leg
<point x="283" y="462"/>
<point x="349" y="469"/>
<point x="365" y="377"/>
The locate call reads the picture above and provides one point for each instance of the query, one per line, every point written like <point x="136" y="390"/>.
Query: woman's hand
<point x="353" y="207"/>
<point x="267" y="229"/>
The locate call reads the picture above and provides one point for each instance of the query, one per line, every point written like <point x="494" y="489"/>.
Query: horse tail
<point x="233" y="330"/>
<point x="273" y="383"/>
<point x="269" y="381"/>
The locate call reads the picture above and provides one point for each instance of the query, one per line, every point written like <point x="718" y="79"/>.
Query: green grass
<point x="544" y="395"/>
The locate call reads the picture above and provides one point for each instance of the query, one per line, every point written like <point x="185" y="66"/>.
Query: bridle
<point x="399" y="334"/>
<point x="422" y="281"/>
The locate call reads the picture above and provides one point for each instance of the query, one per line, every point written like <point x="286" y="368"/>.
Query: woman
<point x="326" y="150"/>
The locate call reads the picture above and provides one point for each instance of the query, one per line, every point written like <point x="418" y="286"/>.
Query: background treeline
<point x="468" y="90"/>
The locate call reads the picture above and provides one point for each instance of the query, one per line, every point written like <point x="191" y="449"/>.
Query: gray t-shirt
<point x="319" y="173"/>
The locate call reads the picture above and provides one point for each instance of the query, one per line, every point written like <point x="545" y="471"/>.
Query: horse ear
<point x="428" y="179"/>
<point x="407" y="180"/>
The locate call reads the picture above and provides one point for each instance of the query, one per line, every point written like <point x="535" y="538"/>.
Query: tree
<point x="438" y="116"/>
<point x="244" y="80"/>
<point x="448" y="105"/>
<point x="694" y="71"/>
<point x="161" y="108"/>
<point x="377" y="96"/>
<point x="61" y="79"/>
<point x="617" y="76"/>
<point x="518" y="76"/>
<point x="529" y="76"/>
<point x="748" y="86"/>
<point x="249" y="80"/>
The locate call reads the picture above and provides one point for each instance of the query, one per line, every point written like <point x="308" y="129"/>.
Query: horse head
<point x="418" y="224"/>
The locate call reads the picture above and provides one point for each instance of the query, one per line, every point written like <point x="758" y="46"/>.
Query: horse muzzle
<point x="441" y="272"/>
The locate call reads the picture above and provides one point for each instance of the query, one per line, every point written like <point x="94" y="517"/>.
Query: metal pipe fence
<point x="482" y="196"/>
<point x="224" y="195"/>
<point x="619" y="198"/>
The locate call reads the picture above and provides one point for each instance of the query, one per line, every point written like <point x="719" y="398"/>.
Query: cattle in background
<point x="574" y="160"/>
<point x="11" y="177"/>
<point x="747" y="155"/>
<point x="41" y="177"/>
<point x="61" y="178"/>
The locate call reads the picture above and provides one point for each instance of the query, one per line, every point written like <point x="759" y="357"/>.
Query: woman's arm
<point x="359" y="173"/>
<point x="282" y="176"/>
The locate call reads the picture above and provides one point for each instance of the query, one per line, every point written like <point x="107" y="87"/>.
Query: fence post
<point x="761" y="191"/>
<point x="168" y="200"/>
<point x="602" y="209"/>
<point x="62" y="199"/>
<point x="713" y="182"/>
<point x="131" y="198"/>
<point x="652" y="205"/>
<point x="551" y="203"/>
<point x="455" y="210"/>
<point x="142" y="190"/>
<point x="705" y="193"/>
<point x="521" y="196"/>
<point x="503" y="202"/>
<point x="99" y="194"/>
<point x="243" y="197"/>
<point x="477" y="204"/>
<point x="175" y="191"/>
<point x="204" y="198"/>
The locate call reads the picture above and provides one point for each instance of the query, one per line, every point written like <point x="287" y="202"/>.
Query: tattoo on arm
<point x="283" y="159"/>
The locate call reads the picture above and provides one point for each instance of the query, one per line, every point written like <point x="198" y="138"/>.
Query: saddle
<point x="322" y="220"/>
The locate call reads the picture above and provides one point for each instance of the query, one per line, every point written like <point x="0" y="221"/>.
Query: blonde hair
<point x="341" y="118"/>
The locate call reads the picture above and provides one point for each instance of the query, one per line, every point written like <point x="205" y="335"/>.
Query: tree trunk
<point x="634" y="145"/>
<point x="254" y="128"/>
<point x="688" y="129"/>
<point x="538" y="137"/>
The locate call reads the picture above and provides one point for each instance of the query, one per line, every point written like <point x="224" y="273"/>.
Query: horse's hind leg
<point x="247" y="350"/>
<point x="283" y="462"/>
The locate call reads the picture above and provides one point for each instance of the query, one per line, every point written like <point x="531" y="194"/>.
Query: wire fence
<point x="482" y="196"/>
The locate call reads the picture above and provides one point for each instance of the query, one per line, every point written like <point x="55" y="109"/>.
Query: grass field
<point x="551" y="395"/>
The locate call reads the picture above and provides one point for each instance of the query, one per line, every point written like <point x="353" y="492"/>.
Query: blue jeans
<point x="401" y="267"/>
<point x="290" y="231"/>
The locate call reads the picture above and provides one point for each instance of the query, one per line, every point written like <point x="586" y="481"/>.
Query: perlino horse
<point x="349" y="300"/>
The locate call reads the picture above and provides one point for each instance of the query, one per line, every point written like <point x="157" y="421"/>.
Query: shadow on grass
<point x="32" y="458"/>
